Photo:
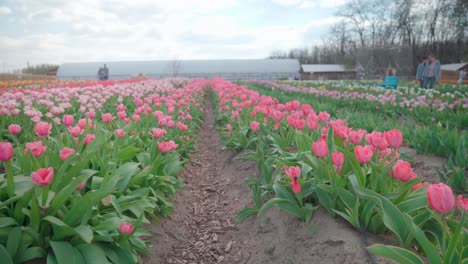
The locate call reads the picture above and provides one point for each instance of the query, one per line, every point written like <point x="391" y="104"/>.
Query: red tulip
<point x="394" y="138"/>
<point x="440" y="197"/>
<point x="462" y="203"/>
<point x="255" y="126"/>
<point x="364" y="153"/>
<point x="6" y="151"/>
<point x="65" y="153"/>
<point x="402" y="171"/>
<point x="320" y="148"/>
<point x="43" y="177"/>
<point x="126" y="228"/>
<point x="35" y="148"/>
<point x="42" y="129"/>
<point x="14" y="129"/>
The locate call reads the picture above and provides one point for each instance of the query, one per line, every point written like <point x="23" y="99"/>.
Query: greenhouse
<point x="267" y="69"/>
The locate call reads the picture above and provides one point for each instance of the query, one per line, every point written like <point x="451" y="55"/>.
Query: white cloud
<point x="287" y="2"/>
<point x="323" y="3"/>
<point x="5" y="10"/>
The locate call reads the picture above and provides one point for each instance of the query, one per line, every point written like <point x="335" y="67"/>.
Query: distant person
<point x="100" y="74"/>
<point x="462" y="75"/>
<point x="420" y="70"/>
<point x="106" y="72"/>
<point x="390" y="80"/>
<point x="431" y="72"/>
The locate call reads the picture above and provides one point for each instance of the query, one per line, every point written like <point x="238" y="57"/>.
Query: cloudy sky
<point x="56" y="31"/>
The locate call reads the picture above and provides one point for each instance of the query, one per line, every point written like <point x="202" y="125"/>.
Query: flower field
<point x="86" y="166"/>
<point x="307" y="159"/>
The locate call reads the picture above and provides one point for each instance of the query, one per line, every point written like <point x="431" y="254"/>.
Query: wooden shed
<point x="452" y="71"/>
<point x="327" y="72"/>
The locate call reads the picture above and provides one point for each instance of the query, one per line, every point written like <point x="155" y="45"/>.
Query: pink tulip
<point x="293" y="172"/>
<point x="462" y="203"/>
<point x="122" y="114"/>
<point x="419" y="186"/>
<point x="89" y="138"/>
<point x="377" y="140"/>
<point x="320" y="148"/>
<point x="65" y="153"/>
<point x="68" y="120"/>
<point x="296" y="187"/>
<point x="43" y="177"/>
<point x="255" y="126"/>
<point x="228" y="127"/>
<point x="82" y="185"/>
<point x="182" y="126"/>
<point x="120" y="133"/>
<point x="6" y="151"/>
<point x="394" y="138"/>
<point x="300" y="124"/>
<point x="35" y="148"/>
<point x="14" y="129"/>
<point x="337" y="159"/>
<point x="42" y="129"/>
<point x="75" y="131"/>
<point x="440" y="197"/>
<point x="323" y="116"/>
<point x="82" y="123"/>
<point x="402" y="171"/>
<point x="167" y="146"/>
<point x="158" y="132"/>
<point x="126" y="228"/>
<point x="107" y="117"/>
<point x="364" y="153"/>
<point x="356" y="136"/>
<point x="91" y="114"/>
<point x="136" y="117"/>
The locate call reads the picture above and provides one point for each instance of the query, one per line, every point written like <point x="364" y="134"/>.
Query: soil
<point x="202" y="229"/>
<point x="424" y="165"/>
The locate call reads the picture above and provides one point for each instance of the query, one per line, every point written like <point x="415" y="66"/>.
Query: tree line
<point x="41" y="69"/>
<point x="422" y="27"/>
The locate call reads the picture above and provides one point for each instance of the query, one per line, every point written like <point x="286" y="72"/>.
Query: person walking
<point x="431" y="72"/>
<point x="420" y="70"/>
<point x="106" y="72"/>
<point x="462" y="76"/>
<point x="100" y="74"/>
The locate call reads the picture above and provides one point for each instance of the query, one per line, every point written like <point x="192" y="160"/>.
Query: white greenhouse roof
<point x="327" y="68"/>
<point x="453" y="67"/>
<point x="181" y="67"/>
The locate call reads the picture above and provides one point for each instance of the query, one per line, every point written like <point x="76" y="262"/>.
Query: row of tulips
<point x="307" y="159"/>
<point x="407" y="98"/>
<point x="445" y="138"/>
<point x="82" y="169"/>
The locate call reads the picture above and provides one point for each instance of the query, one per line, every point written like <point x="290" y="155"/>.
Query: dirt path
<point x="203" y="230"/>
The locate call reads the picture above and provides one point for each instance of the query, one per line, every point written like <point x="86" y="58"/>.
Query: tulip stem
<point x="45" y="195"/>
<point x="10" y="179"/>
